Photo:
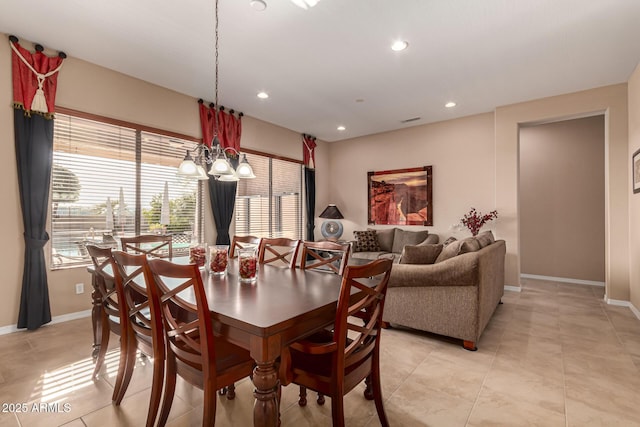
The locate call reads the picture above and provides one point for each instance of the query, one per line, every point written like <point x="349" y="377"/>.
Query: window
<point x="271" y="204"/>
<point x="109" y="181"/>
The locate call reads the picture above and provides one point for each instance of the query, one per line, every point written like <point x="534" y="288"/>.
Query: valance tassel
<point x="39" y="101"/>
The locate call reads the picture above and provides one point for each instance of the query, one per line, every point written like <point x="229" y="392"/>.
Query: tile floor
<point x="552" y="355"/>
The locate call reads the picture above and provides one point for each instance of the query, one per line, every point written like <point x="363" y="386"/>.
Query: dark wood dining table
<point x="281" y="306"/>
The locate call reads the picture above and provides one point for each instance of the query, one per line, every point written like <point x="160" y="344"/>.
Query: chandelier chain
<point x="215" y="112"/>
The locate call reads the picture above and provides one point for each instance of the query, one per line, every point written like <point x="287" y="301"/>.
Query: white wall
<point x="461" y="152"/>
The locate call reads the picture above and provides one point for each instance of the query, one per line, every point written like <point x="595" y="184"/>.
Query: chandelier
<point x="216" y="157"/>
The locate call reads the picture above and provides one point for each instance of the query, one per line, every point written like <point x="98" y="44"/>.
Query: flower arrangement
<point x="474" y="220"/>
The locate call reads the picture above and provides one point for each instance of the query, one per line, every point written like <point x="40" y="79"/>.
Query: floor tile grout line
<point x="493" y="360"/>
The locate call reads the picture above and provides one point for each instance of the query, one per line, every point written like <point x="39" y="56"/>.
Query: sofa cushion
<point x="449" y="251"/>
<point x="485" y="238"/>
<point x="385" y="238"/>
<point x="376" y="255"/>
<point x="366" y="241"/>
<point x="432" y="239"/>
<point x="420" y="254"/>
<point x="404" y="237"/>
<point x="470" y="244"/>
<point x="449" y="241"/>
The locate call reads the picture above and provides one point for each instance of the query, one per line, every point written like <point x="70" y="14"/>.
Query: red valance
<point x="229" y="126"/>
<point x="309" y="151"/>
<point x="35" y="80"/>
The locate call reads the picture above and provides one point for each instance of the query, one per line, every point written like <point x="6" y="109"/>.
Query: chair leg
<point x="231" y="392"/>
<point x="337" y="410"/>
<point x="210" y="401"/>
<point x="302" y="401"/>
<point x="125" y="368"/>
<point x="156" y="391"/>
<point x="368" y="391"/>
<point x="104" y="343"/>
<point x="320" y="399"/>
<point x="377" y="394"/>
<point x="169" y="389"/>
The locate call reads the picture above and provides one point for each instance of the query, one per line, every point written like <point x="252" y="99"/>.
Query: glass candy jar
<point x="247" y="264"/>
<point x="198" y="254"/>
<point x="218" y="258"/>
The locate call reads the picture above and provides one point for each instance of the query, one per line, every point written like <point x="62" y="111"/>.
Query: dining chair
<point x="141" y="328"/>
<point x="239" y="242"/>
<point x="282" y="251"/>
<point x="110" y="307"/>
<point x="157" y="245"/>
<point x="335" y="362"/>
<point x="192" y="351"/>
<point x="325" y="255"/>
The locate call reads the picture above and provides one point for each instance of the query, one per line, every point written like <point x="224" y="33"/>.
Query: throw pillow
<point x="385" y="238"/>
<point x="366" y="241"/>
<point x="449" y="251"/>
<point x="432" y="239"/>
<point x="403" y="238"/>
<point x="449" y="241"/>
<point x="470" y="244"/>
<point x="420" y="254"/>
<point x="485" y="238"/>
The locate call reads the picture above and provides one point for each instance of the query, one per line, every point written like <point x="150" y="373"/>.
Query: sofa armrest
<point x="461" y="270"/>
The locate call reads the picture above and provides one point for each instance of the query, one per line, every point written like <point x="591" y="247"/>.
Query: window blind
<point x="108" y="181"/>
<point x="271" y="204"/>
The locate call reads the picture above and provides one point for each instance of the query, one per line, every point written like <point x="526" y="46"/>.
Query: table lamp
<point x="331" y="230"/>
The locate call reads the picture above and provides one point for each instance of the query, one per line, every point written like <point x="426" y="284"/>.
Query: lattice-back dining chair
<point x="330" y="256"/>
<point x="239" y="242"/>
<point x="141" y="327"/>
<point x="193" y="352"/>
<point x="157" y="245"/>
<point x="335" y="362"/>
<point x="109" y="303"/>
<point x="278" y="251"/>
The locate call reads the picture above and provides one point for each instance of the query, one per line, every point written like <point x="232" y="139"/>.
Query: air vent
<point x="410" y="120"/>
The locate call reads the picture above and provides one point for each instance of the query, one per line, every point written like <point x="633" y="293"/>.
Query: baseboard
<point x="512" y="288"/>
<point x="55" y="319"/>
<point x="563" y="280"/>
<point x="622" y="303"/>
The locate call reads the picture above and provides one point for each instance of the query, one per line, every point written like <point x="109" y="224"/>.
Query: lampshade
<point x="244" y="169"/>
<point x="331" y="212"/>
<point x="188" y="166"/>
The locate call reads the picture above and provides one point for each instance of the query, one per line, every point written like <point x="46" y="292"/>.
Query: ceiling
<point x="332" y="64"/>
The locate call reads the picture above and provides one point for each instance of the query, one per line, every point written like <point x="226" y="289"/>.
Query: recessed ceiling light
<point x="341" y="128"/>
<point x="305" y="4"/>
<point x="263" y="95"/>
<point x="399" y="45"/>
<point x="450" y="104"/>
<point x="258" y="5"/>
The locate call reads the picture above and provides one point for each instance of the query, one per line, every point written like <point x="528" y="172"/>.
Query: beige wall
<point x="634" y="205"/>
<point x="461" y="152"/>
<point x="610" y="100"/>
<point x="93" y="89"/>
<point x="562" y="199"/>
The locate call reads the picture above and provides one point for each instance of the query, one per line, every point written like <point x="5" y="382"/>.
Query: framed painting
<point x="401" y="197"/>
<point x="635" y="164"/>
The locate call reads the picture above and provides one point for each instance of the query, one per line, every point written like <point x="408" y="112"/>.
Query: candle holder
<point x="218" y="259"/>
<point x="198" y="254"/>
<point x="247" y="264"/>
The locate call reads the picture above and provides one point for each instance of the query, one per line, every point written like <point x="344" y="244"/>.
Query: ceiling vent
<point x="410" y="120"/>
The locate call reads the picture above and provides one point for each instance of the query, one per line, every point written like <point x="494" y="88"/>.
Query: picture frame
<point x="400" y="196"/>
<point x="635" y="175"/>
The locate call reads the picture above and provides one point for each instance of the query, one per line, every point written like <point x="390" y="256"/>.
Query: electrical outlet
<point x="79" y="288"/>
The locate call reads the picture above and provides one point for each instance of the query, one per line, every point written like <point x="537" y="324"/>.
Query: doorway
<point x="562" y="200"/>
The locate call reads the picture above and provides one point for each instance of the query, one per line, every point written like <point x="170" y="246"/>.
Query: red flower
<point x="474" y="220"/>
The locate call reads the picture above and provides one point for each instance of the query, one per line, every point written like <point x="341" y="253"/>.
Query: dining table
<point x="264" y="317"/>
